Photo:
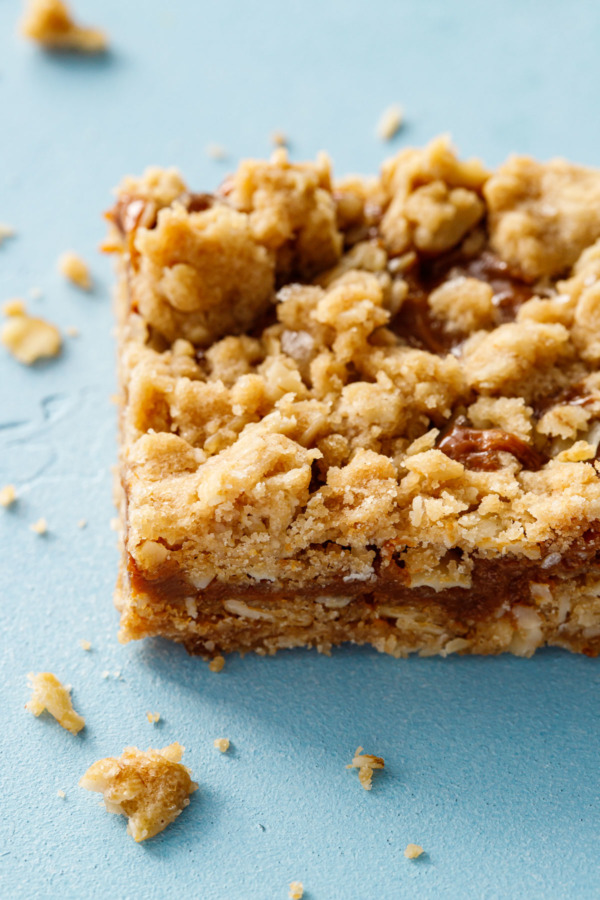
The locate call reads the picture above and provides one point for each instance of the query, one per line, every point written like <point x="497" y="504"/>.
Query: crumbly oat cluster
<point x="150" y="788"/>
<point x="50" y="23"/>
<point x="52" y="696"/>
<point x="364" y="409"/>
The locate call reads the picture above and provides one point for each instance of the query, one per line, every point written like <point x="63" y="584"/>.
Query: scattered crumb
<point x="82" y="523"/>
<point x="106" y="674"/>
<point x="390" y="122"/>
<point x="75" y="269"/>
<point x="36" y="293"/>
<point x="153" y="718"/>
<point x="49" y="23"/>
<point x="14" y="307"/>
<point x="280" y="139"/>
<point x="296" y="890"/>
<point x="216" y="151"/>
<point x="72" y="331"/>
<point x="221" y="744"/>
<point x="150" y="788"/>
<point x="216" y="664"/>
<point x="413" y="851"/>
<point x="8" y="495"/>
<point x="6" y="231"/>
<point x="365" y="763"/>
<point x="29" y="339"/>
<point x="61" y="794"/>
<point x="49" y="694"/>
<point x="40" y="527"/>
<point x="85" y="645"/>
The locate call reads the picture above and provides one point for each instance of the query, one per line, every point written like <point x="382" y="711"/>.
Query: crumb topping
<point x="217" y="664"/>
<point x="75" y="269"/>
<point x="49" y="694"/>
<point x="29" y="338"/>
<point x="50" y="23"/>
<point x="150" y="788"/>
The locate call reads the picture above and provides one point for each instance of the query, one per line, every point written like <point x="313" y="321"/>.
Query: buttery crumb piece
<point x="222" y="744"/>
<point x="61" y="794"/>
<point x="216" y="151"/>
<point x="413" y="851"/>
<point x="8" y="495"/>
<point x="14" y="307"/>
<point x="365" y="763"/>
<point x="153" y="718"/>
<point x="150" y="788"/>
<point x="296" y="890"/>
<point x="390" y="122"/>
<point x="82" y="523"/>
<point x="30" y="339"/>
<point x="85" y="645"/>
<point x="216" y="664"/>
<point x="75" y="269"/>
<point x="49" y="694"/>
<point x="50" y="23"/>
<point x="39" y="527"/>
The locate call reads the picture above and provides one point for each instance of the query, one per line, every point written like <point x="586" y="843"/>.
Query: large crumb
<point x="49" y="694"/>
<point x="216" y="664"/>
<point x="222" y="744"/>
<point x="365" y="763"/>
<point x="296" y="890"/>
<point x="8" y="495"/>
<point x="30" y="339"/>
<point x="390" y="122"/>
<point x="75" y="269"/>
<point x="39" y="527"/>
<point x="50" y="23"/>
<point x="150" y="788"/>
<point x="413" y="851"/>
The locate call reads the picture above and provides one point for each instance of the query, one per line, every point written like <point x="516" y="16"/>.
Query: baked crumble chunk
<point x="150" y="788"/>
<point x="50" y="23"/>
<point x="364" y="409"/>
<point x="50" y="695"/>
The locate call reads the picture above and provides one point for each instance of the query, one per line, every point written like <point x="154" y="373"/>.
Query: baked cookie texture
<point x="363" y="409"/>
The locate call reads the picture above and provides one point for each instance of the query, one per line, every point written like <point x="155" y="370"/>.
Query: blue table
<point x="491" y="764"/>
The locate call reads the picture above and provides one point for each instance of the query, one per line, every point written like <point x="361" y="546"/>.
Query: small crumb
<point x="61" y="794"/>
<point x="366" y="763"/>
<point x="49" y="694"/>
<point x="390" y="122"/>
<point x="82" y="523"/>
<point x="50" y="23"/>
<point x="6" y="231"/>
<point x="216" y="664"/>
<point x="296" y="890"/>
<point x="413" y="851"/>
<point x="14" y="307"/>
<point x="36" y="293"/>
<point x="72" y="331"/>
<point x="8" y="495"/>
<point x="40" y="527"/>
<point x="279" y="139"/>
<point x="216" y="151"/>
<point x="106" y="674"/>
<point x="221" y="744"/>
<point x="75" y="269"/>
<point x="85" y="645"/>
<point x="153" y="718"/>
<point x="30" y="339"/>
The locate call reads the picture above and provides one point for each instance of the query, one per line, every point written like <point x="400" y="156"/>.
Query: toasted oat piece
<point x="150" y="788"/>
<point x="75" y="269"/>
<point x="49" y="694"/>
<point x="50" y="23"/>
<point x="29" y="338"/>
<point x="366" y="763"/>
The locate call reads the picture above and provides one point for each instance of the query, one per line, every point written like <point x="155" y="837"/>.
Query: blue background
<point x="491" y="764"/>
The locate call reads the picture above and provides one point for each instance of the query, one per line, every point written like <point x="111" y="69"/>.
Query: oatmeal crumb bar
<point x="364" y="409"/>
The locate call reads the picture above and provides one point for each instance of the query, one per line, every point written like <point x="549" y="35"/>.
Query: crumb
<point x="36" y="293"/>
<point x="85" y="645"/>
<point x="106" y="674"/>
<point x="216" y="664"/>
<point x="72" y="331"/>
<point x="365" y="763"/>
<point x="6" y="231"/>
<point x="150" y="788"/>
<point x="8" y="495"/>
<point x="49" y="694"/>
<point x="61" y="794"/>
<point x="75" y="269"/>
<point x="153" y="718"/>
<point x="296" y="890"/>
<point x="82" y="523"/>
<point x="221" y="744"/>
<point x="40" y="527"/>
<point x="413" y="851"/>
<point x="14" y="307"/>
<point x="49" y="23"/>
<point x="216" y="151"/>
<point x="30" y="339"/>
<point x="280" y="139"/>
<point x="390" y="122"/>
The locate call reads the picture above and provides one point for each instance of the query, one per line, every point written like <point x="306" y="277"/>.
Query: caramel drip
<point x="478" y="448"/>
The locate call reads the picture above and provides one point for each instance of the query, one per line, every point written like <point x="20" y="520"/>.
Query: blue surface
<point x="491" y="764"/>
